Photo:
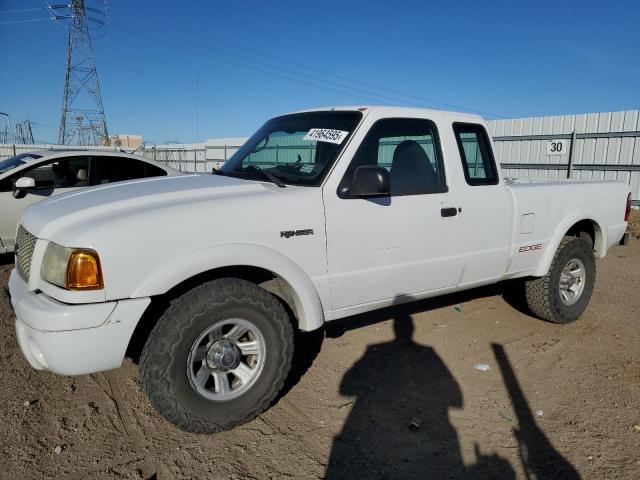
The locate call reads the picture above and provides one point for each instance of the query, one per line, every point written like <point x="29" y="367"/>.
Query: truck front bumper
<point x="54" y="335"/>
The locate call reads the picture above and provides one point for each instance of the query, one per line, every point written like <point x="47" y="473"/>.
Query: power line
<point x="330" y="82"/>
<point x="47" y="6"/>
<point x="361" y="93"/>
<point x="342" y="77"/>
<point x="20" y="10"/>
<point x="255" y="69"/>
<point x="24" y="21"/>
<point x="47" y="125"/>
<point x="368" y="96"/>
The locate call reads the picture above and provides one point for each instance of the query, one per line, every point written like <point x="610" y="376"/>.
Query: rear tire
<point x="183" y="367"/>
<point x="564" y="292"/>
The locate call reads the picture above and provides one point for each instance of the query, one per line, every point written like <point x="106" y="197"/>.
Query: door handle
<point x="449" y="212"/>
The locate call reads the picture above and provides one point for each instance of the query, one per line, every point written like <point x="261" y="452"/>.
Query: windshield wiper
<point x="269" y="176"/>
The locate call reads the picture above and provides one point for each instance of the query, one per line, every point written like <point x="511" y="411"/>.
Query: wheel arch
<point x="261" y="265"/>
<point x="579" y="221"/>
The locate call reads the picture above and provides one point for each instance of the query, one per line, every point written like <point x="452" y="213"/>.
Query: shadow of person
<point x="399" y="425"/>
<point x="539" y="458"/>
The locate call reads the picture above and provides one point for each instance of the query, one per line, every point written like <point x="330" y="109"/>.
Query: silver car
<point x="30" y="177"/>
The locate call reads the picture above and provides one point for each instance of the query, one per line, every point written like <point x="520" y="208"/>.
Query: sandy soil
<point x="392" y="394"/>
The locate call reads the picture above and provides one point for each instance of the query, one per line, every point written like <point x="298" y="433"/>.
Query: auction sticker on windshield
<point x="326" y="135"/>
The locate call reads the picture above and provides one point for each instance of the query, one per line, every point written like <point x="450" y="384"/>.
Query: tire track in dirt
<point x="110" y="383"/>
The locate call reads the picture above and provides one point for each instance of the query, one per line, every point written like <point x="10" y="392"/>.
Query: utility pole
<point x="197" y="109"/>
<point x="83" y="121"/>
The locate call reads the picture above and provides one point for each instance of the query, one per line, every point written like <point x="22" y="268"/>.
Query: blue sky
<point x="506" y="58"/>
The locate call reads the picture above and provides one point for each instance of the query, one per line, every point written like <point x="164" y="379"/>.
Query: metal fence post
<point x="14" y="149"/>
<point x="571" y="152"/>
<point x="225" y="153"/>
<point x="195" y="161"/>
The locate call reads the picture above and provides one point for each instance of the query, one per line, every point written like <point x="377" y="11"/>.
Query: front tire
<point x="563" y="294"/>
<point x="218" y="356"/>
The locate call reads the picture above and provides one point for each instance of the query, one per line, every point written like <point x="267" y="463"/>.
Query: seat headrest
<point x="411" y="149"/>
<point x="411" y="168"/>
<point x="82" y="175"/>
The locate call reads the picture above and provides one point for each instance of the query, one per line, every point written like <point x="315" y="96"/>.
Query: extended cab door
<point x="487" y="208"/>
<point x="382" y="249"/>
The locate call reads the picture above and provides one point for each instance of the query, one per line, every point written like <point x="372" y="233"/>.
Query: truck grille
<point x="25" y="244"/>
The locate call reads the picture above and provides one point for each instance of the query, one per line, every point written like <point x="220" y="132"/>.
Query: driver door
<point x="384" y="250"/>
<point x="51" y="178"/>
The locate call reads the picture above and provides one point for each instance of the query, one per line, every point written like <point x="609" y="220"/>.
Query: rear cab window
<point x="478" y="164"/>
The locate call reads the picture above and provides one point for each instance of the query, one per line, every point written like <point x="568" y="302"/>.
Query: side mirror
<point x="22" y="185"/>
<point x="25" y="183"/>
<point x="370" y="181"/>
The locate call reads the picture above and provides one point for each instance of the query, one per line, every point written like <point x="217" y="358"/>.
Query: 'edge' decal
<point x="530" y="248"/>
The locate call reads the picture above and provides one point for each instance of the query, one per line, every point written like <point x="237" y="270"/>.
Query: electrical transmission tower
<point x="24" y="134"/>
<point x="83" y="121"/>
<point x="5" y="128"/>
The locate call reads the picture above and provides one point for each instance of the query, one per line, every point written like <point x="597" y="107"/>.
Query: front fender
<point x="573" y="217"/>
<point x="181" y="268"/>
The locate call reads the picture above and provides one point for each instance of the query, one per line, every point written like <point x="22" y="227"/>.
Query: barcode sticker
<point x="326" y="135"/>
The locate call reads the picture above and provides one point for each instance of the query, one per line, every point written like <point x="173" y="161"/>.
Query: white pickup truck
<point x="322" y="214"/>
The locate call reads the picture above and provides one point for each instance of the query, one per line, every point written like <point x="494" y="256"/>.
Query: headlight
<point x="54" y="264"/>
<point x="72" y="268"/>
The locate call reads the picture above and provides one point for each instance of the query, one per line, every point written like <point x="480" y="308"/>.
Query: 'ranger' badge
<point x="296" y="233"/>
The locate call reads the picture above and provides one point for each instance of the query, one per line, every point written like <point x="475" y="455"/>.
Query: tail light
<point x="627" y="212"/>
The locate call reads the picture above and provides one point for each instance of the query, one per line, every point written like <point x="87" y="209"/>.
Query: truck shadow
<point x="511" y="292"/>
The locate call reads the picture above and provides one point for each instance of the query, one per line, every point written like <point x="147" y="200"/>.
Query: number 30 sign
<point x="558" y="147"/>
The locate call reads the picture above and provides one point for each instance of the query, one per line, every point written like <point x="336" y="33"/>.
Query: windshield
<point x="297" y="149"/>
<point x="13" y="162"/>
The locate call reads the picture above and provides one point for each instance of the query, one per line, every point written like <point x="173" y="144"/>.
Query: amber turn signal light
<point x="83" y="271"/>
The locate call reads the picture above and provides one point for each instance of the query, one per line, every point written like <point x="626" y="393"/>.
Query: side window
<point x="44" y="175"/>
<point x="63" y="173"/>
<point x="115" y="169"/>
<point x="475" y="151"/>
<point x="153" y="171"/>
<point x="409" y="149"/>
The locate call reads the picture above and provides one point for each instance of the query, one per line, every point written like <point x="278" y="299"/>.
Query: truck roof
<point x="393" y="111"/>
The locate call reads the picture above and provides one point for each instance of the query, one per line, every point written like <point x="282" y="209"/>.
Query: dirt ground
<point x="390" y="394"/>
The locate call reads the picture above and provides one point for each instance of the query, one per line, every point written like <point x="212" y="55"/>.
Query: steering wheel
<point x="297" y="165"/>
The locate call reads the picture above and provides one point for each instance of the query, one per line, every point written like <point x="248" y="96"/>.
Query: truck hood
<point x="118" y="200"/>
